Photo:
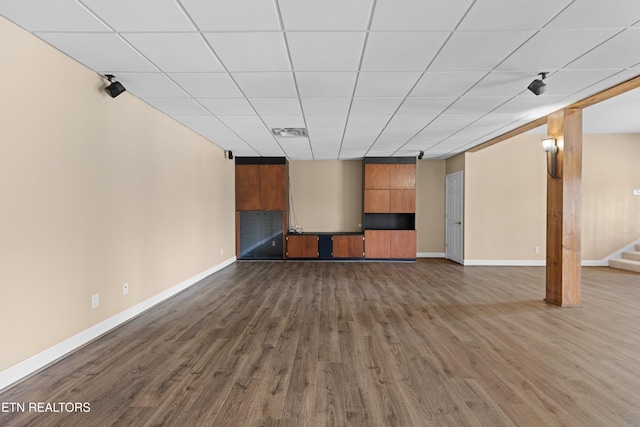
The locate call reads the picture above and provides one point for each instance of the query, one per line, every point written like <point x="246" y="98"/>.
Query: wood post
<point x="564" y="210"/>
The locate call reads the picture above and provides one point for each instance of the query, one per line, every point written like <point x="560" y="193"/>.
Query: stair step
<point x="631" y="255"/>
<point x="637" y="247"/>
<point x="625" y="264"/>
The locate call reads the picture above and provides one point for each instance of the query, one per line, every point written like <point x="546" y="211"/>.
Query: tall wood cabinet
<point x="389" y="207"/>
<point x="261" y="207"/>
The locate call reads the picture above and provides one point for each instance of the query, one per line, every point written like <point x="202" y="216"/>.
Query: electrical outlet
<point x="95" y="300"/>
<point x="125" y="289"/>
<point x="273" y="243"/>
<point x="537" y="249"/>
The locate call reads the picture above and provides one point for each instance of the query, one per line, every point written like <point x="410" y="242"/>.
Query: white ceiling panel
<point x="200" y="124"/>
<point x="275" y="106"/>
<point x="236" y="15"/>
<point x="567" y="82"/>
<point x="175" y="52"/>
<point x="326" y="106"/>
<point x="296" y="148"/>
<point x="266" y="85"/>
<point x="326" y="15"/>
<point x="444" y="84"/>
<point x="476" y="104"/>
<point x="151" y="85"/>
<point x="177" y="106"/>
<point x="380" y="84"/>
<point x="326" y="121"/>
<point x="244" y="121"/>
<point x="375" y="105"/>
<point x="526" y="104"/>
<point x="284" y="121"/>
<point x="325" y="84"/>
<point x="375" y="121"/>
<point x="326" y="136"/>
<point x="140" y="15"/>
<point x="593" y="14"/>
<point x="549" y="50"/>
<point x="335" y="51"/>
<point x="429" y="106"/>
<point x="418" y="15"/>
<point x="511" y="15"/>
<point x="503" y="83"/>
<point x="478" y="50"/>
<point x="207" y="85"/>
<point x="227" y="106"/>
<point x="256" y="136"/>
<point x="453" y="121"/>
<point x="113" y="54"/>
<point x="618" y="52"/>
<point x="250" y="51"/>
<point x="401" y="51"/>
<point x="47" y="15"/>
<point x="410" y="121"/>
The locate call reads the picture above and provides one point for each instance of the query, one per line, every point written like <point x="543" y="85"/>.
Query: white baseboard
<point x="595" y="263"/>
<point x="34" y="363"/>
<point x="430" y="255"/>
<point x="505" y="262"/>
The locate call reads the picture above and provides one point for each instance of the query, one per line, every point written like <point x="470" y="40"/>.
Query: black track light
<point x="421" y="155"/>
<point x="538" y="86"/>
<point x="115" y="88"/>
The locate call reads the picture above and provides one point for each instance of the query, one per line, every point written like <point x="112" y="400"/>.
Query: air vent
<point x="290" y="132"/>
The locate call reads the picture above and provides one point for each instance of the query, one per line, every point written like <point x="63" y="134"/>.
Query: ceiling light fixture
<point x="290" y="132"/>
<point x="538" y="86"/>
<point x="115" y="88"/>
<point x="550" y="146"/>
<point x="421" y="155"/>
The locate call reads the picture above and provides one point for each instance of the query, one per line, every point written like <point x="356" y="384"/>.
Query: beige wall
<point x="430" y="200"/>
<point x="326" y="195"/>
<point x="95" y="192"/>
<point x="610" y="211"/>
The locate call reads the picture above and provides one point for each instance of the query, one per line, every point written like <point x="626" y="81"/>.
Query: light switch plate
<point x="636" y="192"/>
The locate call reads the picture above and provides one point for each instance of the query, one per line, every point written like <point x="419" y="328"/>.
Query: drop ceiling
<point x="364" y="77"/>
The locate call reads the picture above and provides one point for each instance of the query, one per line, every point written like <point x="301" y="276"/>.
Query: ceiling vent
<point x="290" y="132"/>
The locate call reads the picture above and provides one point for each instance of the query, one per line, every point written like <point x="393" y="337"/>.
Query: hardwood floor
<point x="359" y="344"/>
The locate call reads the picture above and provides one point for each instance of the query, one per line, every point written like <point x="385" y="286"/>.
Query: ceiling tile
<point x="526" y="104"/>
<point x="175" y="52"/>
<point x="237" y="15"/>
<point x="335" y="84"/>
<point x="509" y="15"/>
<point x="227" y="106"/>
<point x="256" y="136"/>
<point x="402" y="51"/>
<point x="418" y="15"/>
<point x="428" y="106"/>
<point x="375" y="105"/>
<point x="250" y="51"/>
<point x="375" y="121"/>
<point x="284" y="121"/>
<point x="597" y="14"/>
<point x="114" y="54"/>
<point x="275" y="106"/>
<point x="618" y="52"/>
<point x="326" y="121"/>
<point x="266" y="85"/>
<point x="244" y="121"/>
<point x="380" y="84"/>
<point x="366" y="135"/>
<point x="141" y="15"/>
<point x="476" y="104"/>
<point x="47" y="15"/>
<point x="178" y="106"/>
<point x="150" y="85"/>
<point x="326" y="106"/>
<point x="453" y="121"/>
<point x="478" y="50"/>
<point x="446" y="84"/>
<point x="326" y="51"/>
<point x="567" y="82"/>
<point x="326" y="15"/>
<point x="410" y="121"/>
<point x="296" y="148"/>
<point x="200" y="124"/>
<point x="549" y="50"/>
<point x="207" y="85"/>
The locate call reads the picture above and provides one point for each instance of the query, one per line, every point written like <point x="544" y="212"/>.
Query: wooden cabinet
<point x="347" y="246"/>
<point x="302" y="246"/>
<point x="390" y="244"/>
<point x="389" y="188"/>
<point x="261" y="187"/>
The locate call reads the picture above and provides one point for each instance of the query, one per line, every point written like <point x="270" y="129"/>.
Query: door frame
<point x="459" y="258"/>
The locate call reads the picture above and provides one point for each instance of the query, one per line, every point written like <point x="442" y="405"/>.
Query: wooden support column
<point x="564" y="210"/>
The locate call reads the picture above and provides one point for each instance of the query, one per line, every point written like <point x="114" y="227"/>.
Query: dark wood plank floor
<point x="359" y="344"/>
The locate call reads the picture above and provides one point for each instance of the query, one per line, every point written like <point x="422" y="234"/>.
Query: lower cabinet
<point x="390" y="244"/>
<point x="302" y="246"/>
<point x="347" y="246"/>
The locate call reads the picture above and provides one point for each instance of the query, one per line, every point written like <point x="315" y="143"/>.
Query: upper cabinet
<point x="261" y="186"/>
<point x="389" y="188"/>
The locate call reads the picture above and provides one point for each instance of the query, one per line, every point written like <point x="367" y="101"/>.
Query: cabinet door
<point x="403" y="177"/>
<point x="376" y="244"/>
<point x="402" y="201"/>
<point x="376" y="176"/>
<point x="273" y="187"/>
<point x="402" y="244"/>
<point x="350" y="246"/>
<point x="376" y="201"/>
<point x="248" y="187"/>
<point x="302" y="246"/>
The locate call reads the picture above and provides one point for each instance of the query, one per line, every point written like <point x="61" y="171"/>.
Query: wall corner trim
<point x="33" y="364"/>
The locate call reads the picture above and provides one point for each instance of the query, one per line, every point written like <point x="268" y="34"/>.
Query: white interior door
<point x="454" y="214"/>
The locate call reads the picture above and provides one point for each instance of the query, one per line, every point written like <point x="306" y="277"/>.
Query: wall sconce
<point x="550" y="146"/>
